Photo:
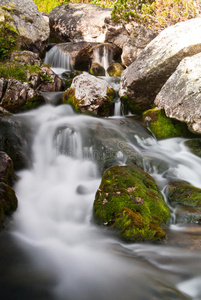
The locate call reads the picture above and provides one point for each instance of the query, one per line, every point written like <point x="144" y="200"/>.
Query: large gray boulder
<point x="180" y="97"/>
<point x="24" y="17"/>
<point x="137" y="41"/>
<point x="75" y="22"/>
<point x="143" y="79"/>
<point x="90" y="94"/>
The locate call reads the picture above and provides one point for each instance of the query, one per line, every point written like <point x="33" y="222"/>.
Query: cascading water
<point x="54" y="226"/>
<point x="58" y="60"/>
<point x="103" y="56"/>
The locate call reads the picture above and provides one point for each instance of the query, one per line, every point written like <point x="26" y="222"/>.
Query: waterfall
<point x="103" y="55"/>
<point x="58" y="59"/>
<point x="54" y="226"/>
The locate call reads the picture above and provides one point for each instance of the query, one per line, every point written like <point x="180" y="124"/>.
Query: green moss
<point x="17" y="71"/>
<point x="129" y="106"/>
<point x="130" y="188"/>
<point x="180" y="192"/>
<point x="163" y="127"/>
<point x="33" y="103"/>
<point x="8" y="39"/>
<point x="69" y="98"/>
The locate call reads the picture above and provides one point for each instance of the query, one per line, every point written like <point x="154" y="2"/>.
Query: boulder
<point x="180" y="96"/>
<point x="144" y="78"/>
<point x="6" y="169"/>
<point x="186" y="199"/>
<point x="97" y="70"/>
<point x="31" y="27"/>
<point x="115" y="69"/>
<point x="194" y="146"/>
<point x="136" y="42"/>
<point x="17" y="96"/>
<point x="90" y="94"/>
<point x="13" y="141"/>
<point x="75" y="22"/>
<point x="129" y="201"/>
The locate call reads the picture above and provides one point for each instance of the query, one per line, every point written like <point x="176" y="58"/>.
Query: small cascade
<point x="58" y="59"/>
<point x="103" y="56"/>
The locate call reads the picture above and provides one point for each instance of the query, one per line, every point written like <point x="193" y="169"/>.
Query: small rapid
<point x="68" y="254"/>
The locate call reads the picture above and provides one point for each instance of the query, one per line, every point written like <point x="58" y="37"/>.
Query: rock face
<point x="16" y="96"/>
<point x="8" y="200"/>
<point x="180" y="97"/>
<point x="13" y="141"/>
<point x="32" y="77"/>
<point x="32" y="28"/>
<point x="135" y="44"/>
<point x="6" y="169"/>
<point x="90" y="94"/>
<point x="75" y="22"/>
<point x="128" y="200"/>
<point x="143" y="79"/>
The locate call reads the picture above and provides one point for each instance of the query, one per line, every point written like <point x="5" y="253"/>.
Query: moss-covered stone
<point x="194" y="146"/>
<point x="181" y="192"/>
<point x="97" y="70"/>
<point x="128" y="106"/>
<point x="163" y="127"/>
<point x="69" y="98"/>
<point x="129" y="201"/>
<point x="115" y="69"/>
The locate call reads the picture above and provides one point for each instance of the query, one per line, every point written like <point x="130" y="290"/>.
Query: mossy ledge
<point x="163" y="127"/>
<point x="129" y="201"/>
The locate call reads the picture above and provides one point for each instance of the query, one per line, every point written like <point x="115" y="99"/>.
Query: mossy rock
<point x="194" y="146"/>
<point x="163" y="127"/>
<point x="97" y="70"/>
<point x="115" y="69"/>
<point x="69" y="98"/>
<point x="181" y="192"/>
<point x="129" y="106"/>
<point x="129" y="201"/>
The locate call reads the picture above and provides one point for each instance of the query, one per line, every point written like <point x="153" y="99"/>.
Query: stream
<point x="52" y="250"/>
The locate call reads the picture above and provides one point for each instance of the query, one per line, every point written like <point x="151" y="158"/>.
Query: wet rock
<point x="194" y="146"/>
<point x="143" y="79"/>
<point x="180" y="96"/>
<point x="90" y="94"/>
<point x="6" y="169"/>
<point x="32" y="29"/>
<point x="181" y="192"/>
<point x="129" y="201"/>
<point x="97" y="70"/>
<point x="13" y="141"/>
<point x="8" y="201"/>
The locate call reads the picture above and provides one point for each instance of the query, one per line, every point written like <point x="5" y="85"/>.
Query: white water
<point x="53" y="223"/>
<point x="103" y="57"/>
<point x="58" y="59"/>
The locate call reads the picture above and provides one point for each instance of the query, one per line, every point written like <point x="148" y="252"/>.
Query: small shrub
<point x="8" y="40"/>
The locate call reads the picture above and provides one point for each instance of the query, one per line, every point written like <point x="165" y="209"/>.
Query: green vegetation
<point x="128" y="201"/>
<point x="8" y="40"/>
<point x="156" y="14"/>
<point x="17" y="71"/>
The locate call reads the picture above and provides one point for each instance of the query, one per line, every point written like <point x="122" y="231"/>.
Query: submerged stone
<point x="129" y="201"/>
